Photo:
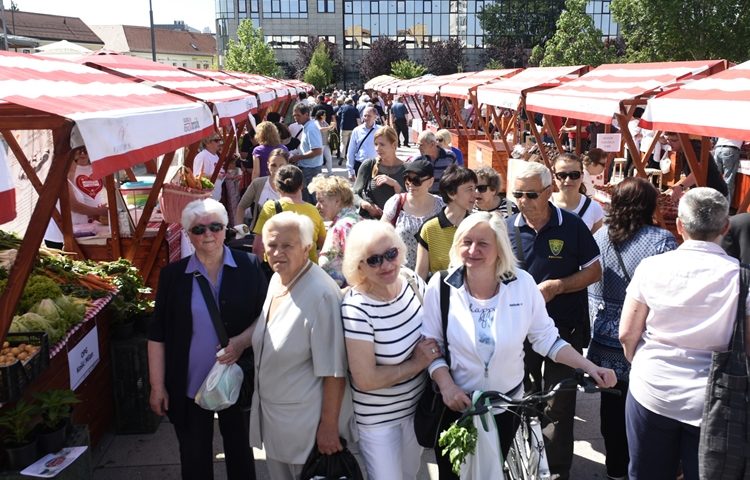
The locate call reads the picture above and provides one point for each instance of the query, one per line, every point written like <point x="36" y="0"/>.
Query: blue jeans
<point x="309" y="173"/>
<point x="728" y="160"/>
<point x="657" y="444"/>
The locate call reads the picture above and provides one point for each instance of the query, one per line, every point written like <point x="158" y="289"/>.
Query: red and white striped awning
<point x="717" y="106"/>
<point x="375" y="82"/>
<point x="299" y="85"/>
<point x="402" y="87"/>
<point x="460" y="88"/>
<point x="599" y="94"/>
<point x="7" y="191"/>
<point x="123" y="123"/>
<point x="431" y="86"/>
<point x="227" y="103"/>
<point x="265" y="95"/>
<point x="280" y="90"/>
<point x="384" y="86"/>
<point x="508" y="92"/>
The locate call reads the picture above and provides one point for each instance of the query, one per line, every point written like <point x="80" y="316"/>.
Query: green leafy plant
<point x="19" y="423"/>
<point x="250" y="53"/>
<point x="458" y="441"/>
<point x="55" y="406"/>
<point x="316" y="76"/>
<point x="407" y="69"/>
<point x="131" y="300"/>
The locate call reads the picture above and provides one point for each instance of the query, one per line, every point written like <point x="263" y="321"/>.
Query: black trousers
<point x="612" y="413"/>
<point x="542" y="374"/>
<point x="507" y="424"/>
<point x="196" y="443"/>
<point x="402" y="129"/>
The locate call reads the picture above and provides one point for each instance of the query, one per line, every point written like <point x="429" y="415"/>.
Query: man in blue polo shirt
<point x="558" y="250"/>
<point x="310" y="160"/>
<point x="398" y="115"/>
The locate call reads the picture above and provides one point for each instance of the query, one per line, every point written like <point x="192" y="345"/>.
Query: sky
<point x="196" y="13"/>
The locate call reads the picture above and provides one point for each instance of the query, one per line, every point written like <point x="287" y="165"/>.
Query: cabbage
<point x="48" y="309"/>
<point x="71" y="312"/>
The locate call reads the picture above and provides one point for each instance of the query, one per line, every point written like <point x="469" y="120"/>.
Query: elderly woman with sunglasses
<point x="408" y="211"/>
<point x="386" y="352"/>
<point x="493" y="308"/>
<point x="490" y="195"/>
<point x="183" y="342"/>
<point x="570" y="194"/>
<point x="301" y="399"/>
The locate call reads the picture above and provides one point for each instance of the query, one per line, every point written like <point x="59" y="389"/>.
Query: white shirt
<point x="367" y="148"/>
<point x="592" y="214"/>
<point x="692" y="295"/>
<point x="205" y="163"/>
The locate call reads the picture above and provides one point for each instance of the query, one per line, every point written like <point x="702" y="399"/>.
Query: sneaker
<point x="341" y="160"/>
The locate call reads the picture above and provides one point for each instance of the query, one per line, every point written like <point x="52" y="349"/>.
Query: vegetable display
<point x="458" y="441"/>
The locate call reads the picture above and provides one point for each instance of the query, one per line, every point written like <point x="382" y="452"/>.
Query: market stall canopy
<point x="507" y="93"/>
<point x="123" y="123"/>
<point x="280" y="90"/>
<point x="460" y="88"/>
<point x="299" y="85"/>
<point x="7" y="190"/>
<point x="227" y="103"/>
<point x="601" y="93"/>
<point x="431" y="86"/>
<point x="717" y="106"/>
<point x="373" y="83"/>
<point x="63" y="50"/>
<point x="401" y="88"/>
<point x="384" y="87"/>
<point x="265" y="95"/>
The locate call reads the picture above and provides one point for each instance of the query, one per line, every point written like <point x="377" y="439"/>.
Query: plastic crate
<point x="131" y="387"/>
<point x="16" y="377"/>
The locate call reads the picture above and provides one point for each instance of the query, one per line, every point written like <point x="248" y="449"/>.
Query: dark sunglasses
<point x="415" y="180"/>
<point x="529" y="195"/>
<point x="377" y="260"/>
<point x="482" y="188"/>
<point x="564" y="175"/>
<point x="200" y="229"/>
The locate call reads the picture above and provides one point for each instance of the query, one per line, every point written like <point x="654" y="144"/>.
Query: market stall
<point x="398" y="87"/>
<point x="266" y="96"/>
<point x="123" y="124"/>
<point x="503" y="102"/>
<point x="717" y="106"/>
<point x="425" y="93"/>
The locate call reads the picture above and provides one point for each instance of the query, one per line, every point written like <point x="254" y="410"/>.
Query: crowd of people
<point x="341" y="304"/>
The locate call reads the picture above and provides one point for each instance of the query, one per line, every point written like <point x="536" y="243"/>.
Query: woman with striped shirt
<point x="387" y="355"/>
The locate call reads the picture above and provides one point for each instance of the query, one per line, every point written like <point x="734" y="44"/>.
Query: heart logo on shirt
<point x="88" y="185"/>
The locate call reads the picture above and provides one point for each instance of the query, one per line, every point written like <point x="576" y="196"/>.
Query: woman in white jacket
<point x="493" y="308"/>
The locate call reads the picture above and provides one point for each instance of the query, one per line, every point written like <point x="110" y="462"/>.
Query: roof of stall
<point x="601" y="93"/>
<point x="431" y="86"/>
<point x="227" y="102"/>
<point x="373" y="83"/>
<point x="123" y="123"/>
<point x="400" y="88"/>
<point x="507" y="93"/>
<point x="460" y="88"/>
<point x="281" y="90"/>
<point x="715" y="106"/>
<point x="265" y="95"/>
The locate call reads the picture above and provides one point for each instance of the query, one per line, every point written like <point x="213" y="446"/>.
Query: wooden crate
<point x="460" y="139"/>
<point x="481" y="154"/>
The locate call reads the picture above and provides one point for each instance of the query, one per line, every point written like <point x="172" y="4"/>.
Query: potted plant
<point x="55" y="407"/>
<point x="19" y="423"/>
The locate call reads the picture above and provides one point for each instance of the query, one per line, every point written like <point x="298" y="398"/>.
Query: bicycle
<point x="526" y="459"/>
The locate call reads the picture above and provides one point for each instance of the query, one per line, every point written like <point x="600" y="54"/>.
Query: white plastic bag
<point x="487" y="461"/>
<point x="221" y="388"/>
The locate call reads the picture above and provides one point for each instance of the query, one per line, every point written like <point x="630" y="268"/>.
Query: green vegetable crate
<point x="15" y="377"/>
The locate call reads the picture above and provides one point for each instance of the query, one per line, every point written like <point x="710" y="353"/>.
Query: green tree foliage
<point x="306" y="51"/>
<point x="493" y="64"/>
<point x="513" y="27"/>
<point x="672" y="30"/>
<point x="406" y="69"/>
<point x="377" y="61"/>
<point x="576" y="42"/>
<point x="250" y="53"/>
<point x="315" y="76"/>
<point x="445" y="57"/>
<point x="322" y="61"/>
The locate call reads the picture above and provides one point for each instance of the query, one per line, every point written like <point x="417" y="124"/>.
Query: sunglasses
<point x="415" y="180"/>
<point x="564" y="175"/>
<point x="482" y="188"/>
<point x="529" y="195"/>
<point x="200" y="229"/>
<point x="377" y="260"/>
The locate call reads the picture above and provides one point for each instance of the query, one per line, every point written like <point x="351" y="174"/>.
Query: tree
<point x="445" y="57"/>
<point x="513" y="27"/>
<point x="672" y="30"/>
<point x="377" y="61"/>
<point x="406" y="69"/>
<point x="306" y="51"/>
<point x="250" y="53"/>
<point x="322" y="60"/>
<point x="315" y="76"/>
<point x="576" y="42"/>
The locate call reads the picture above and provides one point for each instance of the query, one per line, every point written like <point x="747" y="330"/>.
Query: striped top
<point x="395" y="328"/>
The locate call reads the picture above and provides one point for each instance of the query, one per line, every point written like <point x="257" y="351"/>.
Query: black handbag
<point x="245" y="362"/>
<point x="431" y="411"/>
<point x="339" y="466"/>
<point x="724" y="448"/>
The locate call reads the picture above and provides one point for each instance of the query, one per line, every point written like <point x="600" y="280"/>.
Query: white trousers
<point x="390" y="452"/>
<point x="283" y="471"/>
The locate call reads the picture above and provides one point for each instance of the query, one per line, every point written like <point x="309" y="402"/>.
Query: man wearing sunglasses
<point x="558" y="250"/>
<point x="440" y="158"/>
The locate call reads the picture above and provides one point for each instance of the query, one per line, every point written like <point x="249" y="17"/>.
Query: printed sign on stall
<point x="609" y="142"/>
<point x="83" y="357"/>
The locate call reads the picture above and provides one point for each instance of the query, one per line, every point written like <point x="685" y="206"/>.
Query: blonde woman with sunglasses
<point x="568" y="174"/>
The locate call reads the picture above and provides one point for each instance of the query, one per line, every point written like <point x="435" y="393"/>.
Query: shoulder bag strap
<point x="519" y="248"/>
<point x="277" y="206"/>
<point x="585" y="207"/>
<point x="413" y="284"/>
<point x="299" y="133"/>
<point x="213" y="310"/>
<point x="738" y="336"/>
<point x="622" y="264"/>
<point x="444" y="305"/>
<point x="399" y="207"/>
<point x="363" y="140"/>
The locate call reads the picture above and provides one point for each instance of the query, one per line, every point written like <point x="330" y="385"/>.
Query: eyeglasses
<point x="200" y="229"/>
<point x="564" y="175"/>
<point x="482" y="188"/>
<point x="529" y="195"/>
<point x="377" y="260"/>
<point x="415" y="180"/>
